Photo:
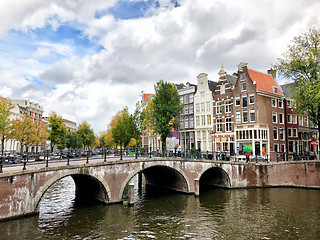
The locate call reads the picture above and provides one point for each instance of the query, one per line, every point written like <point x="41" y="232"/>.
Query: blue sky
<point x="87" y="59"/>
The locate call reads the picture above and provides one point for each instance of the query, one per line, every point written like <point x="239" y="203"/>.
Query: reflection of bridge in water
<point x="106" y="181"/>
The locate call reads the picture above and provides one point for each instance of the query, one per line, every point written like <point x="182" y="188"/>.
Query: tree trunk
<point x="2" y="145"/>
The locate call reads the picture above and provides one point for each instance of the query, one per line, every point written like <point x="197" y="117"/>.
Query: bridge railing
<point x="66" y="157"/>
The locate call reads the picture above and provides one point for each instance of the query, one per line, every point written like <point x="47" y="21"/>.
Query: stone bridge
<point x="21" y="192"/>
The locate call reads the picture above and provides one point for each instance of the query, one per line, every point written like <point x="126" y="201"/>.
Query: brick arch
<point x="51" y="181"/>
<point x="221" y="169"/>
<point x="130" y="176"/>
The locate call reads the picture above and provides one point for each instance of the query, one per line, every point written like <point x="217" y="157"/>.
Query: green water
<point x="273" y="213"/>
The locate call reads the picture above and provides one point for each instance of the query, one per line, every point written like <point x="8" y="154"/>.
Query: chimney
<point x="273" y="73"/>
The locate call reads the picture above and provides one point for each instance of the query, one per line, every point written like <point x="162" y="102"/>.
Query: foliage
<point x="132" y="143"/>
<point x="5" y="122"/>
<point x="301" y="63"/>
<point x="57" y="131"/>
<point x="86" y="134"/>
<point x="74" y="140"/>
<point x="108" y="140"/>
<point x="24" y="130"/>
<point x="41" y="134"/>
<point x="166" y="106"/>
<point x="124" y="129"/>
<point x="102" y="139"/>
<point x="96" y="143"/>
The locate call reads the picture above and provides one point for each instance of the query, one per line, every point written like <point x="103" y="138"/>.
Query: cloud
<point x="103" y="63"/>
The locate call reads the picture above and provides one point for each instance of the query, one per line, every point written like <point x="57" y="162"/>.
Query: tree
<point x="86" y="134"/>
<point x="41" y="134"/>
<point x="74" y="140"/>
<point x="5" y="122"/>
<point x="102" y="139"/>
<point x="57" y="131"/>
<point x="108" y="140"/>
<point x="301" y="63"/>
<point x="24" y="130"/>
<point x="166" y="106"/>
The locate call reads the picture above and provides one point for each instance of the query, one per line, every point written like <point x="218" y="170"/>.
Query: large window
<point x="244" y="101"/>
<point x="202" y="107"/>
<point x="280" y="103"/>
<point x="191" y="122"/>
<point x="295" y="132"/>
<point x="237" y="101"/>
<point x="203" y="120"/>
<point x="300" y="120"/>
<point x="252" y="115"/>
<point x="290" y="132"/>
<point x="281" y="118"/>
<point x="294" y="119"/>
<point x="186" y="109"/>
<point x="244" y="116"/>
<point x="191" y="98"/>
<point x="274" y="117"/>
<point x="238" y="117"/>
<point x="275" y="133"/>
<point x="219" y="125"/>
<point x="208" y="106"/>
<point x="228" y="125"/>
<point x="186" y="122"/>
<point x="228" y="106"/>
<point x="197" y="120"/>
<point x="186" y="99"/>
<point x="191" y="108"/>
<point x="218" y="107"/>
<point x="291" y="146"/>
<point x="289" y="118"/>
<point x="243" y="87"/>
<point x="208" y="120"/>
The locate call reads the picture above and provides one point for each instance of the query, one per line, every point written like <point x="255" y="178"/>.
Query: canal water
<point x="270" y="213"/>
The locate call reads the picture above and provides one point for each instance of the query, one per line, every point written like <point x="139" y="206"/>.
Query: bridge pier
<point x="131" y="194"/>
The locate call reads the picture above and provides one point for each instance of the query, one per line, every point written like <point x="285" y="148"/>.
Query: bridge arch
<point x="179" y="173"/>
<point x="105" y="193"/>
<point x="216" y="176"/>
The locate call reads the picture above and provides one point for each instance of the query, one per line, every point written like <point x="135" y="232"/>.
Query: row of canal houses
<point x="246" y="112"/>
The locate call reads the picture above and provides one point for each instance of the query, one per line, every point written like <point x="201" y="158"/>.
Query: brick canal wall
<point x="21" y="192"/>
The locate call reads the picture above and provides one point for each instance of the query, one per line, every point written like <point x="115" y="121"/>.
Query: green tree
<point x="102" y="138"/>
<point x="86" y="134"/>
<point x="124" y="129"/>
<point x="24" y="131"/>
<point x="5" y="122"/>
<point x="301" y="63"/>
<point x="166" y="106"/>
<point x="74" y="140"/>
<point x="57" y="131"/>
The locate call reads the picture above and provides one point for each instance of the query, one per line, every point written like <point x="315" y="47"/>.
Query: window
<point x="208" y="106"/>
<point x="291" y="146"/>
<point x="191" y="122"/>
<point x="238" y="117"/>
<point x="289" y="103"/>
<point x="228" y="125"/>
<point x="181" y="123"/>
<point x="201" y="94"/>
<point x="218" y="108"/>
<point x="198" y="135"/>
<point x="281" y="118"/>
<point x="197" y="107"/>
<point x="191" y="98"/>
<point x="191" y="109"/>
<point x="289" y="118"/>
<point x="294" y="119"/>
<point x="243" y="87"/>
<point x="242" y="76"/>
<point x="202" y="107"/>
<point x="181" y="99"/>
<point x="186" y="122"/>
<point x="186" y="99"/>
<point x="252" y="115"/>
<point x="295" y="132"/>
<point x="209" y="120"/>
<point x="222" y="89"/>
<point x="275" y="133"/>
<point x="275" y="89"/>
<point x="290" y="132"/>
<point x="300" y="120"/>
<point x="273" y="102"/>
<point x="203" y="120"/>
<point x="306" y="121"/>
<point x="244" y="101"/>
<point x="228" y="105"/>
<point x="197" y="121"/>
<point x="225" y="146"/>
<point x="218" y="147"/>
<point x="219" y="125"/>
<point x="251" y="99"/>
<point x="237" y="101"/>
<point x="281" y="132"/>
<point x="276" y="147"/>
<point x="274" y="117"/>
<point x="244" y="116"/>
<point x="186" y="109"/>
<point x="280" y="103"/>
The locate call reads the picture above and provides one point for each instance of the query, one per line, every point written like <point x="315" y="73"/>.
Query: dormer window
<point x="275" y="89"/>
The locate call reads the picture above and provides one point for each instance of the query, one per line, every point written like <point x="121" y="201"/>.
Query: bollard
<point x="68" y="159"/>
<point x="47" y="161"/>
<point x="87" y="157"/>
<point x="277" y="157"/>
<point x="24" y="162"/>
<point x="256" y="159"/>
<point x="1" y="167"/>
<point x="105" y="155"/>
<point x="136" y="155"/>
<point x="150" y="153"/>
<point x="121" y="153"/>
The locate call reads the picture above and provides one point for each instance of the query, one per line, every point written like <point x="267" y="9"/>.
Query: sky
<point x="87" y="59"/>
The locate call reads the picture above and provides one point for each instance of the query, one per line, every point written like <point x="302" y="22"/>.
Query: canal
<point x="269" y="213"/>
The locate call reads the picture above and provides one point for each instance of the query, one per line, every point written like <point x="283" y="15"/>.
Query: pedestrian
<point x="247" y="156"/>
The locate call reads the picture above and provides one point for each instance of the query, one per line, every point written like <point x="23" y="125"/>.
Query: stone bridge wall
<point x="21" y="192"/>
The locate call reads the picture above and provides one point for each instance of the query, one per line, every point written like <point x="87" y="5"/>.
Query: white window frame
<point x="251" y="95"/>
<point x="237" y="98"/>
<point x="243" y="113"/>
<point x="273" y="102"/>
<point x="222" y="89"/>
<point x="254" y="112"/>
<point x="274" y="114"/>
<point x="228" y="103"/>
<point x="219" y="107"/>
<point x="243" y="87"/>
<point x="238" y="117"/>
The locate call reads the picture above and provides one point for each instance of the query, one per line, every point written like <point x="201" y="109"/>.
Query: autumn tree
<point x="301" y="64"/>
<point x="86" y="134"/>
<point x="57" y="131"/>
<point x="74" y="140"/>
<point x="41" y="134"/>
<point x="166" y="106"/>
<point x="108" y="140"/>
<point x="24" y="131"/>
<point x="5" y="121"/>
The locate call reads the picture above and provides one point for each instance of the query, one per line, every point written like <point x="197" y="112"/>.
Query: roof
<point x="231" y="80"/>
<point x="287" y="89"/>
<point x="264" y="82"/>
<point x="146" y="96"/>
<point x="212" y="85"/>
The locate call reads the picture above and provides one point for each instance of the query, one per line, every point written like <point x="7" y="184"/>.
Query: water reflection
<point x="275" y="213"/>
